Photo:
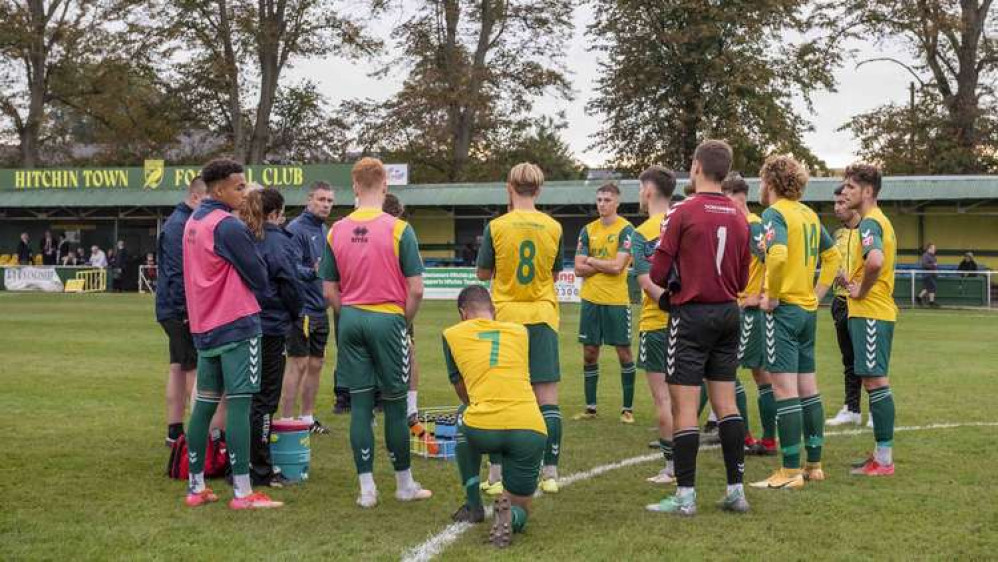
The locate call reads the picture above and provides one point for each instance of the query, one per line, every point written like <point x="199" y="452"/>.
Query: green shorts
<point x="544" y="363"/>
<point x="373" y="350"/>
<point x="651" y="350"/>
<point x="790" y="339"/>
<point x="522" y="451"/>
<point x="871" y="346"/>
<point x="605" y="324"/>
<point x="750" y="338"/>
<point x="233" y="368"/>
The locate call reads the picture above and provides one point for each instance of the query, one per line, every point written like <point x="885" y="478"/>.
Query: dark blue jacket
<point x="170" y="301"/>
<point x="281" y="302"/>
<point x="309" y="232"/>
<point x="235" y="244"/>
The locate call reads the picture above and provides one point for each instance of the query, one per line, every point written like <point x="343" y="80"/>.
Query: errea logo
<point x="360" y="235"/>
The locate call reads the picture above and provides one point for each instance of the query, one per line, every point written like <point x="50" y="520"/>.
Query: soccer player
<point x="310" y="332"/>
<point x="603" y="253"/>
<point x="706" y="239"/>
<point x="872" y="312"/>
<point x="657" y="185"/>
<point x="845" y="237"/>
<point x="487" y="362"/>
<point x="171" y="310"/>
<point x="222" y="269"/>
<point x="795" y="239"/>
<point x="750" y="340"/>
<point x="373" y="279"/>
<point x="521" y="253"/>
<point x="280" y="303"/>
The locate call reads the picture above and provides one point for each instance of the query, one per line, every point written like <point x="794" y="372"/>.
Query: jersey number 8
<point x="525" y="269"/>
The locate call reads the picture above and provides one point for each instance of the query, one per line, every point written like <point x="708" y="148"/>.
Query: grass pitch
<point x="82" y="476"/>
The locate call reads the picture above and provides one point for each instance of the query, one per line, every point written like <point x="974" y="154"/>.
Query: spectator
<point x="967" y="264"/>
<point x="69" y="259"/>
<point x="929" y="264"/>
<point x="24" y="250"/>
<point x="48" y="248"/>
<point x="469" y="255"/>
<point x="81" y="258"/>
<point x="97" y="257"/>
<point x="62" y="249"/>
<point x="151" y="272"/>
<point x="119" y="264"/>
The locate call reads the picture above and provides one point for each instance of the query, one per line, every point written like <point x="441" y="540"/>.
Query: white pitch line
<point x="440" y="541"/>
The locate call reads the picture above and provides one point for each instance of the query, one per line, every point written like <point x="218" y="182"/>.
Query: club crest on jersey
<point x="770" y="232"/>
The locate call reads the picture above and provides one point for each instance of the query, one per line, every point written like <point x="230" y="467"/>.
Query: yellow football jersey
<point x="795" y="239"/>
<point x="875" y="232"/>
<point x="643" y="244"/>
<point x="491" y="357"/>
<point x="845" y="237"/>
<point x="604" y="243"/>
<point x="757" y="264"/>
<point x="523" y="248"/>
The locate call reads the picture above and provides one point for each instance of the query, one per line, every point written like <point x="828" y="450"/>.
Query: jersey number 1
<point x="722" y="240"/>
<point x="493" y="336"/>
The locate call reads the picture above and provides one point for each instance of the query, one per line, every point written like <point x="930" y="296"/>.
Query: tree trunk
<point x="232" y="75"/>
<point x="467" y="120"/>
<point x="271" y="28"/>
<point x="36" y="75"/>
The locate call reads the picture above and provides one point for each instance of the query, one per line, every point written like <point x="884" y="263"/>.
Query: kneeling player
<point x="487" y="363"/>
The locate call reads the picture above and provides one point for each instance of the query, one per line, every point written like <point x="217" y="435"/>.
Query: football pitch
<point x="83" y="469"/>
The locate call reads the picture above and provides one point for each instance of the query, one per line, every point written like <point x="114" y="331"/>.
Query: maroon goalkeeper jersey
<point x="706" y="238"/>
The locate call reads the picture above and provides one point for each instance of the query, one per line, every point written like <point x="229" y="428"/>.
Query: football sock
<point x="241" y="485"/>
<point x="361" y="432"/>
<point x="731" y="430"/>
<point x="403" y="479"/>
<point x="396" y="432"/>
<point x="174" y="430"/>
<point x="195" y="482"/>
<point x="767" y="411"/>
<point x="732" y="488"/>
<point x="519" y="518"/>
<point x="591" y="375"/>
<point x="742" y="403"/>
<point x="627" y="374"/>
<point x="469" y="465"/>
<point x="882" y="410"/>
<point x="665" y="446"/>
<point x="410" y="403"/>
<point x="788" y="424"/>
<point x="686" y="442"/>
<point x="366" y="483"/>
<point x="237" y="433"/>
<point x="197" y="434"/>
<point x="813" y="416"/>
<point x="552" y="419"/>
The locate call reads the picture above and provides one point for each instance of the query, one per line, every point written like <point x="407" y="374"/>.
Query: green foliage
<point x="677" y="73"/>
<point x="474" y="71"/>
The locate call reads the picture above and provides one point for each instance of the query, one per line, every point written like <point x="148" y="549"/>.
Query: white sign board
<point x="29" y="278"/>
<point x="398" y="174"/>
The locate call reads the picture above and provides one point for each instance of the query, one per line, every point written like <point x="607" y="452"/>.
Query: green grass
<point x="82" y="475"/>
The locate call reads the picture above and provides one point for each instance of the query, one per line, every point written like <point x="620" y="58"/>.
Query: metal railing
<point x="147" y="282"/>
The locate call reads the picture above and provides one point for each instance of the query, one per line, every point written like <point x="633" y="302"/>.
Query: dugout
<point x="101" y="205"/>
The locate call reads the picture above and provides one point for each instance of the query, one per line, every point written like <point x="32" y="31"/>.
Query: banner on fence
<point x="444" y="283"/>
<point x="28" y="278"/>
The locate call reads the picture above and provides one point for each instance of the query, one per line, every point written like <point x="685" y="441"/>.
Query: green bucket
<point x="290" y="449"/>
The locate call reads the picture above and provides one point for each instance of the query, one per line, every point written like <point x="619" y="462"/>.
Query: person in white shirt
<point x="97" y="257"/>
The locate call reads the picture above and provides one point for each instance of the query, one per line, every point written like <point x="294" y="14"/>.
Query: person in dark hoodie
<point x="222" y="271"/>
<point x="310" y="332"/>
<point x="171" y="310"/>
<point x="279" y="303"/>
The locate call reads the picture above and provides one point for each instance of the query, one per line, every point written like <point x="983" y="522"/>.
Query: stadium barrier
<point x="93" y="280"/>
<point x="47" y="278"/>
<point x="147" y="278"/>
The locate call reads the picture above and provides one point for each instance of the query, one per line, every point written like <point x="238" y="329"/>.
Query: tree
<point x="304" y="128"/>
<point x="37" y="39"/>
<point x="675" y="73"/>
<point x="475" y="69"/>
<point x="957" y="62"/>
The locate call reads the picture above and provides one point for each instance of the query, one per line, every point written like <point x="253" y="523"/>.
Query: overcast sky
<point x="859" y="90"/>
